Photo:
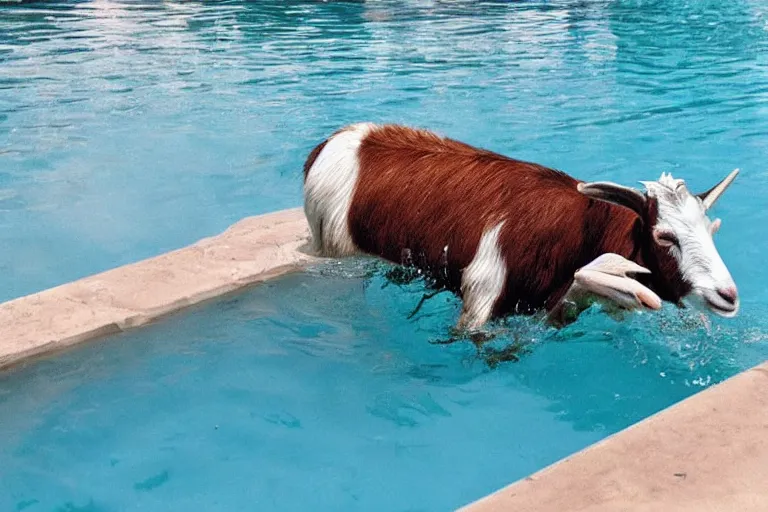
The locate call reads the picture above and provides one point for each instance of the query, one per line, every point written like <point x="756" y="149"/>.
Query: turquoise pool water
<point x="130" y="128"/>
<point x="314" y="393"/>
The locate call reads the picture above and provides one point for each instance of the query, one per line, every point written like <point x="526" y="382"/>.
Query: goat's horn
<point x="712" y="195"/>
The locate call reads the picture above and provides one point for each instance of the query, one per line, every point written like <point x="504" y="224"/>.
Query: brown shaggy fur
<point x="313" y="156"/>
<point x="420" y="192"/>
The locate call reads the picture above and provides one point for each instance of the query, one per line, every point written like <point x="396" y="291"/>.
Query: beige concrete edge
<point x="706" y="453"/>
<point x="250" y="251"/>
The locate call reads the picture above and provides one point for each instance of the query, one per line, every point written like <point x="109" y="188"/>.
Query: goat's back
<point x="412" y="192"/>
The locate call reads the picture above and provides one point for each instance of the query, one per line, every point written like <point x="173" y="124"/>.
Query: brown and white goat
<point x="509" y="236"/>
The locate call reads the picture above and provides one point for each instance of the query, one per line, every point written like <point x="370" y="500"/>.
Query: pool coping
<point x="708" y="452"/>
<point x="250" y="251"/>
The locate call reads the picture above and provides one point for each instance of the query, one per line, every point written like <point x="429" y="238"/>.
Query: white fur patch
<point x="328" y="191"/>
<point x="483" y="280"/>
<point x="670" y="182"/>
<point x="684" y="214"/>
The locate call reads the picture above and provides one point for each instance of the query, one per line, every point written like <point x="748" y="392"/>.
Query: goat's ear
<point x="712" y="195"/>
<point x="616" y="194"/>
<point x="715" y="226"/>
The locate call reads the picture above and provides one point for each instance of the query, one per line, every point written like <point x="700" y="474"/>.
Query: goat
<point x="509" y="236"/>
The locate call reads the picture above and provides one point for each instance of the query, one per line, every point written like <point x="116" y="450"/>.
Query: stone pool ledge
<point x="708" y="453"/>
<point x="252" y="250"/>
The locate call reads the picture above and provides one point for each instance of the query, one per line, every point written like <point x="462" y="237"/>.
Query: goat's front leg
<point x="607" y="280"/>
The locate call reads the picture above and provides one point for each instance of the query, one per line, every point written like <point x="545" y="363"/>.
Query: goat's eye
<point x="667" y="239"/>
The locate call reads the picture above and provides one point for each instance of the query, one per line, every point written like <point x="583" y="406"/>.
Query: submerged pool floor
<point x="314" y="392"/>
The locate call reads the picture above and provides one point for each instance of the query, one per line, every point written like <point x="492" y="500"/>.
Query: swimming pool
<point x="314" y="392"/>
<point x="130" y="128"/>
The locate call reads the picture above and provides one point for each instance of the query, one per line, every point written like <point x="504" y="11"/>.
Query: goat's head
<point x="678" y="236"/>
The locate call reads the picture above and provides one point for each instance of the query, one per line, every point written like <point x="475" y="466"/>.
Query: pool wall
<point x="708" y="452"/>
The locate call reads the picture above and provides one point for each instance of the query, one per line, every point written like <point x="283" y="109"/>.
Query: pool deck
<point x="706" y="453"/>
